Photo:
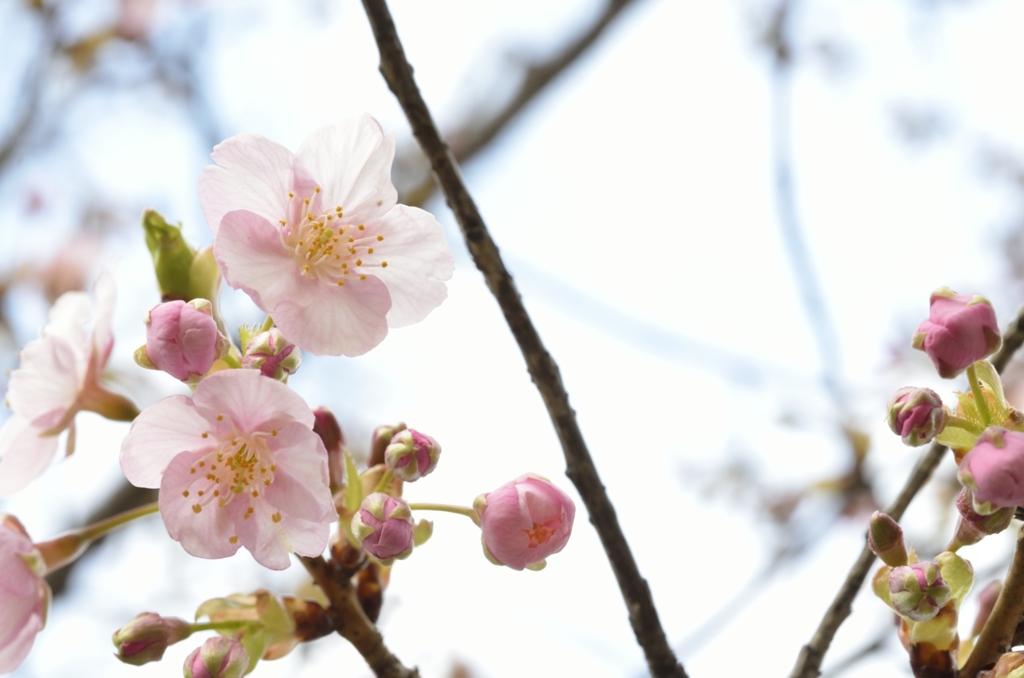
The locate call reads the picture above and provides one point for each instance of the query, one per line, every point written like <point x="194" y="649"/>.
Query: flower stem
<point x="384" y="480"/>
<point x="228" y="625"/>
<point x="68" y="547"/>
<point x="448" y="508"/>
<point x="979" y="397"/>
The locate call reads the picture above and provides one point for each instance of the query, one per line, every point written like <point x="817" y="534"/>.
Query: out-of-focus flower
<point x="525" y="521"/>
<point x="327" y="427"/>
<point x="217" y="657"/>
<point x="24" y="594"/>
<point x="994" y="470"/>
<point x="272" y="354"/>
<point x="961" y="329"/>
<point x="383" y="525"/>
<point x="237" y="465"/>
<point x="412" y="455"/>
<point x="60" y="375"/>
<point x="317" y="240"/>
<point x="917" y="591"/>
<point x="916" y="415"/>
<point x="183" y="339"/>
<point x="146" y="637"/>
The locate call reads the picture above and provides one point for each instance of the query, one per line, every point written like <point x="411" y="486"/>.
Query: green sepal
<point x="353" y="488"/>
<point x="880" y="584"/>
<point x="957" y="438"/>
<point x="958" y="575"/>
<point x="422" y="531"/>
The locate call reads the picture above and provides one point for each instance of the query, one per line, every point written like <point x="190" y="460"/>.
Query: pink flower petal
<point x="250" y="400"/>
<point x="24" y="454"/>
<point x="351" y="162"/>
<point x="205" y="533"/>
<point x="103" y="339"/>
<point x="252" y="173"/>
<point x="301" y="464"/>
<point x="264" y="537"/>
<point x="158" y="435"/>
<point x="47" y="383"/>
<point x="16" y="648"/>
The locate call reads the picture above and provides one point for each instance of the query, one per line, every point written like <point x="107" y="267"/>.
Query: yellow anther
<point x="282" y="222"/>
<point x="309" y="217"/>
<point x="362" y="277"/>
<point x="201" y="493"/>
<point x="306" y="201"/>
<point x="379" y="238"/>
<point x="255" y="493"/>
<point x="341" y="283"/>
<point x="233" y="540"/>
<point x="196" y="508"/>
<point x="273" y="432"/>
<point x="192" y="470"/>
<point x="185" y="493"/>
<point x="369" y="250"/>
<point x="361" y="227"/>
<point x="338" y="208"/>
<point x="202" y="463"/>
<point x="383" y="264"/>
<point x="359" y="262"/>
<point x="290" y="194"/>
<point x="276" y="517"/>
<point x="316" y="190"/>
<point x="205" y="434"/>
<point x="220" y="417"/>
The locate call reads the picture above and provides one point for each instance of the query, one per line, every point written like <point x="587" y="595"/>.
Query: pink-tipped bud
<point x="961" y="329"/>
<point x="327" y="427"/>
<point x="146" y="637"/>
<point x="182" y="339"/>
<point x="524" y="521"/>
<point x="972" y="526"/>
<point x="272" y="354"/>
<point x="218" y="657"/>
<point x="992" y="470"/>
<point x="917" y="591"/>
<point x="412" y="455"/>
<point x="885" y="539"/>
<point x="916" y="415"/>
<point x="384" y="526"/>
<point x="382" y="436"/>
<point x="986" y="603"/>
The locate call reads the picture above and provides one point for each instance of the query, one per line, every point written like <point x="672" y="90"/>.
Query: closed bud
<point x="182" y="340"/>
<point x="885" y="539"/>
<point x="412" y="455"/>
<point x="327" y="427"/>
<point x="382" y="436"/>
<point x="272" y="354"/>
<point x="961" y="329"/>
<point x="990" y="470"/>
<point x="917" y="591"/>
<point x="384" y="527"/>
<point x="218" y="657"/>
<point x="972" y="526"/>
<point x="916" y="415"/>
<point x="146" y="637"/>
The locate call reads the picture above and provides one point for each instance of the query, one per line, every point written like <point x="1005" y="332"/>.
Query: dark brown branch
<point x="472" y="136"/>
<point x="352" y="623"/>
<point x="995" y="638"/>
<point x="579" y="465"/>
<point x="808" y="664"/>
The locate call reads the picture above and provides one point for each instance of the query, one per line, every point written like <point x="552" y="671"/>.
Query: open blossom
<point x="525" y="521"/>
<point x="238" y="464"/>
<point x="59" y="376"/>
<point x="317" y="240"/>
<point x="24" y="594"/>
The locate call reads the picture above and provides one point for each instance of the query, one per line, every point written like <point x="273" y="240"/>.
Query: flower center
<point x="326" y="247"/>
<point x="542" y="533"/>
<point x="240" y="465"/>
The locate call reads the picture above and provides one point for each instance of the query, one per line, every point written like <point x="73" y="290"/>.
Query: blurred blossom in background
<point x="726" y="219"/>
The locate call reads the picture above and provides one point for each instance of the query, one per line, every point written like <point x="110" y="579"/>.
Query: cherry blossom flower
<point x="24" y="594"/>
<point x="238" y="464"/>
<point x="59" y="376"/>
<point x="960" y="329"/>
<point x="317" y="240"/>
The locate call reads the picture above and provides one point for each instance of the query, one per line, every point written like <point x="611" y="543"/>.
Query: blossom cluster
<point x="317" y="240"/>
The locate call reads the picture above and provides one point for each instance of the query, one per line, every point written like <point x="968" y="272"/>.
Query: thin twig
<point x="1002" y="623"/>
<point x="808" y="664"/>
<point x="579" y="466"/>
<point x="352" y="623"/>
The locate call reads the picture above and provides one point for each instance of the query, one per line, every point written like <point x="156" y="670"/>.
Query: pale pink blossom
<point x="525" y="521"/>
<point x="238" y="464"/>
<point x="182" y="339"/>
<point x="317" y="240"/>
<point x="24" y="594"/>
<point x="60" y="375"/>
<point x="960" y="330"/>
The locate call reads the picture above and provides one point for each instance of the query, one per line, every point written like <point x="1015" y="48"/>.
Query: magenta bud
<point x="272" y="354"/>
<point x="411" y="455"/>
<point x="885" y="539"/>
<point x="961" y="329"/>
<point x="327" y="427"/>
<point x="146" y="637"/>
<point x="917" y="591"/>
<point x="183" y="340"/>
<point x="916" y="415"/>
<point x="992" y="470"/>
<point x="382" y="436"/>
<point x="971" y="526"/>
<point x="217" y="657"/>
<point x="524" y="521"/>
<point x="384" y="527"/>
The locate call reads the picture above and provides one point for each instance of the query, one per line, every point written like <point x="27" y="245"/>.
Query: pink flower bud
<point x="961" y="329"/>
<point x="916" y="415"/>
<point x="524" y="521"/>
<point x="885" y="539"/>
<point x="383" y="525"/>
<point x="994" y="470"/>
<point x="146" y="637"/>
<point x="917" y="591"/>
<point x="24" y="594"/>
<point x="412" y="455"/>
<point x="327" y="427"/>
<point x="183" y="339"/>
<point x="379" y="443"/>
<point x="972" y="526"/>
<point x="218" y="657"/>
<point x="272" y="354"/>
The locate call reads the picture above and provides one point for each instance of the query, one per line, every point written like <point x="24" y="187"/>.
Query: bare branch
<point x="579" y="465"/>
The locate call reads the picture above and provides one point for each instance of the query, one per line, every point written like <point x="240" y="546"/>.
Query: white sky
<point x="634" y="204"/>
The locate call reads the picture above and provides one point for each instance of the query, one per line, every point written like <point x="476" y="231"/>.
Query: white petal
<point x="48" y="381"/>
<point x="264" y="537"/>
<point x="158" y="435"/>
<point x="24" y="454"/>
<point x="206" y="533"/>
<point x="103" y="340"/>
<point x="252" y="173"/>
<point x="68" y="318"/>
